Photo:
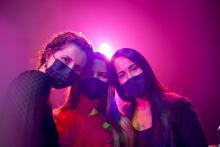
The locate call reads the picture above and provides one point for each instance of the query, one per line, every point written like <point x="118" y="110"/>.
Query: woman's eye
<point x="121" y="76"/>
<point x="134" y="69"/>
<point x="89" y="73"/>
<point x="65" y="60"/>
<point x="103" y="76"/>
<point x="77" y="68"/>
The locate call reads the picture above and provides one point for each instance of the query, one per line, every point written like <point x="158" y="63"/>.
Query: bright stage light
<point x="106" y="49"/>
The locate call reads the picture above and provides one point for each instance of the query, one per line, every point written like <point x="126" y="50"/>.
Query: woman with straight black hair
<point x="151" y="115"/>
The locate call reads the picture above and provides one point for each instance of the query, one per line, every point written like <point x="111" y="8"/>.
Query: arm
<point x="27" y="119"/>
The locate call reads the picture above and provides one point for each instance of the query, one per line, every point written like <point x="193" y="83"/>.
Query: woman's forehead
<point x="99" y="65"/>
<point x="75" y="53"/>
<point x="122" y="63"/>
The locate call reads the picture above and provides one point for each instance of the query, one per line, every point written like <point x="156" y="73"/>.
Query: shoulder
<point x="34" y="75"/>
<point x="29" y="83"/>
<point x="176" y="100"/>
<point x="186" y="122"/>
<point x="180" y="106"/>
<point x="182" y="110"/>
<point x="32" y="78"/>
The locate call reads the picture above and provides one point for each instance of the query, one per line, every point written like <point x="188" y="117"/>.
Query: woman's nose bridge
<point x="129" y="74"/>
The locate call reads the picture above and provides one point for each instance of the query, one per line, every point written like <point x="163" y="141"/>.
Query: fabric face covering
<point x="93" y="88"/>
<point x="62" y="76"/>
<point x="136" y="86"/>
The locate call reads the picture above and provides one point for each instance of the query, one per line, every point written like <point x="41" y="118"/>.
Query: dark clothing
<point x="187" y="129"/>
<point x="189" y="132"/>
<point x="26" y="117"/>
<point x="143" y="138"/>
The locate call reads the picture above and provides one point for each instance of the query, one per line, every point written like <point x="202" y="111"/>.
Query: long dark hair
<point x="161" y="114"/>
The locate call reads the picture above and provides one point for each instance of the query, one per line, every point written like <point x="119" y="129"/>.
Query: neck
<point x="142" y="118"/>
<point x="142" y="104"/>
<point x="58" y="97"/>
<point x="86" y="105"/>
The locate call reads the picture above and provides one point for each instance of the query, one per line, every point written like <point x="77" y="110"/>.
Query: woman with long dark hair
<point x="151" y="115"/>
<point x="82" y="120"/>
<point x="26" y="115"/>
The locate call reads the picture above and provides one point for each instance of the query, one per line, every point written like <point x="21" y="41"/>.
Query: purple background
<point x="180" y="39"/>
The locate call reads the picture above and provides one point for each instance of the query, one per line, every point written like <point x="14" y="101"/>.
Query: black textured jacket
<point x="26" y="115"/>
<point x="186" y="126"/>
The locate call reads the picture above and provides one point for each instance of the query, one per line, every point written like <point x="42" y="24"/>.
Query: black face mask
<point x="93" y="88"/>
<point x="135" y="87"/>
<point x="62" y="76"/>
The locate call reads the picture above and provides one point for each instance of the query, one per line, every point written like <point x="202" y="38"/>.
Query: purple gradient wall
<point x="181" y="40"/>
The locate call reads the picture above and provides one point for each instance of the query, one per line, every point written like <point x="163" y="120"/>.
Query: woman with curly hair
<point x="26" y="120"/>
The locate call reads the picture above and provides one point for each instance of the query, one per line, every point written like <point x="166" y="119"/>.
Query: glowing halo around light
<point x="105" y="48"/>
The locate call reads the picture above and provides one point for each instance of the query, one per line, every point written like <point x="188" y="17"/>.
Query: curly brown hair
<point x="62" y="39"/>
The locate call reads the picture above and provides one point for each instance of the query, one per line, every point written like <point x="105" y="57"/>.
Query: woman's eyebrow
<point x="120" y="72"/>
<point x="131" y="66"/>
<point x="68" y="57"/>
<point x="102" y="73"/>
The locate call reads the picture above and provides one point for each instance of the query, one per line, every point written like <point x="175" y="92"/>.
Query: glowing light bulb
<point x="105" y="48"/>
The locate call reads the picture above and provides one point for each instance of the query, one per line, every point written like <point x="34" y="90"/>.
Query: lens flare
<point x="105" y="48"/>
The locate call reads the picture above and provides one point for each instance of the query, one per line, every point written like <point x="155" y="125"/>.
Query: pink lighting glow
<point x="105" y="48"/>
